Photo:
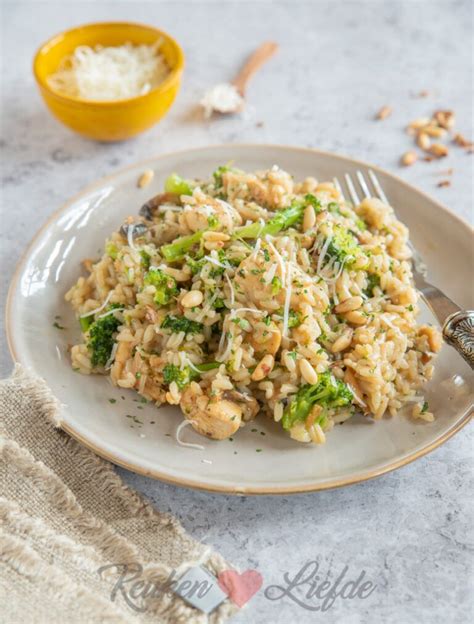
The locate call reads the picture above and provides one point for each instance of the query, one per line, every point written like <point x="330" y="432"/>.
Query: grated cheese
<point x="223" y="98"/>
<point x="217" y="263"/>
<point x="111" y="359"/>
<point x="110" y="73"/>
<point x="270" y="274"/>
<point x="231" y="288"/>
<point x="277" y="256"/>
<point x="113" y="311"/>
<point x="130" y="230"/>
<point x="322" y="255"/>
<point x="187" y="361"/>
<point x="228" y="350"/>
<point x="179" y="428"/>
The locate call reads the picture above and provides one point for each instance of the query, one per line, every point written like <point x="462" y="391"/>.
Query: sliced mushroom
<point x="148" y="209"/>
<point x="139" y="229"/>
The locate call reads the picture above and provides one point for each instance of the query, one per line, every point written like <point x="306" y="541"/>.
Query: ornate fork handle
<point x="458" y="331"/>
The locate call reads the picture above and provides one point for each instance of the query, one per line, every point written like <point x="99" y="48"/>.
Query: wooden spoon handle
<point x="258" y="58"/>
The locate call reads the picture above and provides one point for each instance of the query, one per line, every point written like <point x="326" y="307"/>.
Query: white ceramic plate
<point x="358" y="450"/>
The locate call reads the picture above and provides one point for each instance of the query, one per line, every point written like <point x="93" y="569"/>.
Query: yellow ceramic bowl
<point x="108" y="120"/>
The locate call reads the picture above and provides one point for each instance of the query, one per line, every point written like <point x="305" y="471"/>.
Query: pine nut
<point x="355" y="318"/>
<point x="445" y="119"/>
<point x="192" y="299"/>
<point x="439" y="150"/>
<point x="434" y="131"/>
<point x="278" y="412"/>
<point x="264" y="367"/>
<point x="343" y="341"/>
<point x="215" y="236"/>
<point x="308" y="373"/>
<point x="418" y="123"/>
<point x="409" y="158"/>
<point x="460" y="140"/>
<point x="210" y="245"/>
<point x="353" y="303"/>
<point x="423" y="141"/>
<point x="384" y="112"/>
<point x="145" y="178"/>
<point x="309" y="218"/>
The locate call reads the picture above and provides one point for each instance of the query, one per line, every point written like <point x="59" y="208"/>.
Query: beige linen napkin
<point x="65" y="513"/>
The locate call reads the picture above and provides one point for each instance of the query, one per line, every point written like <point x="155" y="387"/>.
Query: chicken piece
<point x="215" y="418"/>
<point x="265" y="338"/>
<point x="251" y="277"/>
<point x="197" y="217"/>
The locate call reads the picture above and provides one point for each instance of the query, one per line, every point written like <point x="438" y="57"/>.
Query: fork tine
<point x="338" y="187"/>
<point x="377" y="187"/>
<point x="352" y="192"/>
<point x="363" y="184"/>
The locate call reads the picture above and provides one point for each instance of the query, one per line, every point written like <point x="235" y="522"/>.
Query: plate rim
<point x="182" y="482"/>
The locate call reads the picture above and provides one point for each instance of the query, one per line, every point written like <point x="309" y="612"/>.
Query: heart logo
<point x="240" y="587"/>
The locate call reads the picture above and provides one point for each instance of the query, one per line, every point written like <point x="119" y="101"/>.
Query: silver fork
<point x="457" y="324"/>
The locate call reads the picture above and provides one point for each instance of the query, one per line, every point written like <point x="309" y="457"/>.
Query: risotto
<point x="250" y="294"/>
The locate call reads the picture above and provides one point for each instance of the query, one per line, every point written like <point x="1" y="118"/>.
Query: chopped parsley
<point x="165" y="286"/>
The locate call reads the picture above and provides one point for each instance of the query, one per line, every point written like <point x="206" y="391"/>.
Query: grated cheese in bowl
<point x="110" y="73"/>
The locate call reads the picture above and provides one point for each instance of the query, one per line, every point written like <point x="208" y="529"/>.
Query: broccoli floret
<point x="281" y="221"/>
<point x="217" y="175"/>
<point x="178" y="250"/>
<point x="294" y="319"/>
<point x="343" y="246"/>
<point x="178" y="185"/>
<point x="181" y="324"/>
<point x="145" y="259"/>
<point x="101" y="338"/>
<point x="165" y="285"/>
<point x="311" y="199"/>
<point x="183" y="376"/>
<point x="212" y="221"/>
<point x="195" y="265"/>
<point x="111" y="250"/>
<point x="373" y="281"/>
<point x="334" y="208"/>
<point x="218" y="304"/>
<point x="276" y="285"/>
<point x="361" y="224"/>
<point x="329" y="393"/>
<point x="219" y="270"/>
<point x="85" y="322"/>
